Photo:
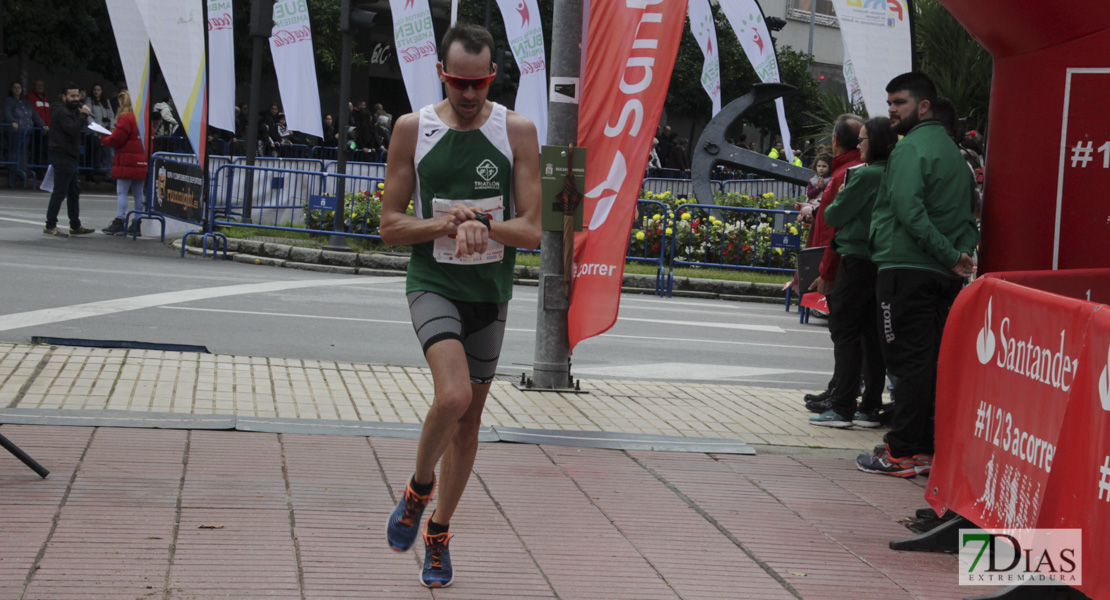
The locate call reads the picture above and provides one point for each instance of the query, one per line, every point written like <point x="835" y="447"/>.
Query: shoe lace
<point x="413" y="504"/>
<point x="436" y="545"/>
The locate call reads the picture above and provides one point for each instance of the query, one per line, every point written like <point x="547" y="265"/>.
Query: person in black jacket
<point x="67" y="121"/>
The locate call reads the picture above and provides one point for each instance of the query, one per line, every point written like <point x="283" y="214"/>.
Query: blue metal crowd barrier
<point x="283" y="199"/>
<point x="679" y="188"/>
<point x="758" y="187"/>
<point x="293" y="151"/>
<point x="332" y="153"/>
<point x="745" y="239"/>
<point x="649" y="253"/>
<point x="173" y="144"/>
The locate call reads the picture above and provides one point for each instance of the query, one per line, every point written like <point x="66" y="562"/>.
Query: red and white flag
<point x="630" y="52"/>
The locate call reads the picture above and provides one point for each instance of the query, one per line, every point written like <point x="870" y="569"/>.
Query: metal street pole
<point x="338" y="242"/>
<point x="261" y="27"/>
<point x="551" y="367"/>
<point x="812" y="22"/>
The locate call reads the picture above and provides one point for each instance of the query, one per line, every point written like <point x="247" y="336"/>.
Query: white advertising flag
<point x="416" y="51"/>
<point x="855" y="95"/>
<point x="221" y="66"/>
<point x="747" y="21"/>
<point x="134" y="54"/>
<point x="702" y="26"/>
<point x="295" y="63"/>
<point x="877" y="35"/>
<point x="522" y="27"/>
<point x="176" y="31"/>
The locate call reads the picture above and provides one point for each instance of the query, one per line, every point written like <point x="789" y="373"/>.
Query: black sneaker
<point x="80" y="230"/>
<point x="54" y="232"/>
<point x="818" y="406"/>
<point x="823" y="396"/>
<point x="116" y="228"/>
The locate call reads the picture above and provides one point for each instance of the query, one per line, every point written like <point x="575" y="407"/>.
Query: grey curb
<point x="393" y="264"/>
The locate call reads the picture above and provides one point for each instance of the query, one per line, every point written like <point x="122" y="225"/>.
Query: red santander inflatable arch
<point x="1047" y="185"/>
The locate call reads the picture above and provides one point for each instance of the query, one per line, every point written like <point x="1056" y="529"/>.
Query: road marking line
<point x="21" y="221"/>
<point x="106" y="307"/>
<point x="765" y="328"/>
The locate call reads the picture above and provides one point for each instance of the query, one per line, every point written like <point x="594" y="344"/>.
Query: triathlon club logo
<point x="522" y="8"/>
<point x="984" y="342"/>
<point x="487" y="170"/>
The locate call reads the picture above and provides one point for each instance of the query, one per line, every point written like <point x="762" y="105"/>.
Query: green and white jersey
<point x="462" y="165"/>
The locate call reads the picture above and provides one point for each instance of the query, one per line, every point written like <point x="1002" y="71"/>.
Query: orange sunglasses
<point x="461" y="83"/>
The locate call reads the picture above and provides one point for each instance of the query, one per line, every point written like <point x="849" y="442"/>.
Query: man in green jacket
<point x="922" y="237"/>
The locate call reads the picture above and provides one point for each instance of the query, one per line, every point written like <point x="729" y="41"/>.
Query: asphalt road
<point x="110" y="288"/>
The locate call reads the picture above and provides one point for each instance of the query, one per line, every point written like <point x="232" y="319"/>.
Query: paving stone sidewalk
<point x="131" y="513"/>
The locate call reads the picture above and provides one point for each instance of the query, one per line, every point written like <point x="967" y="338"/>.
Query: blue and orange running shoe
<point x="404" y="523"/>
<point x="437" y="572"/>
<point x="885" y="464"/>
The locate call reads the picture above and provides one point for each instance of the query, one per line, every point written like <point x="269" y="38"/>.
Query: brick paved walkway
<point x="139" y="513"/>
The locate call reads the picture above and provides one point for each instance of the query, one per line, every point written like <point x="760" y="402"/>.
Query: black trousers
<point x="855" y="337"/>
<point x="913" y="306"/>
<point x="65" y="187"/>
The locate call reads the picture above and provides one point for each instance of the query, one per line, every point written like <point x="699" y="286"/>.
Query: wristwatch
<point x="483" y="218"/>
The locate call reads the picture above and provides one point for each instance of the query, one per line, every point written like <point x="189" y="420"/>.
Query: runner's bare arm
<point x="524" y="230"/>
<point x="398" y="228"/>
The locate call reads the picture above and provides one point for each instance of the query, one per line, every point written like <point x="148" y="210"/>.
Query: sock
<point x="435" y="529"/>
<point x="422" y="489"/>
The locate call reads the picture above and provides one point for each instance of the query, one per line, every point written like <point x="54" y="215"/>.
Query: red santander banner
<point x="630" y="52"/>
<point x="1080" y="477"/>
<point x="1009" y="363"/>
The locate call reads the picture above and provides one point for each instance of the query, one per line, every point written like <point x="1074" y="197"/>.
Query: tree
<point x="686" y="97"/>
<point x="959" y="65"/>
<point x="65" y="34"/>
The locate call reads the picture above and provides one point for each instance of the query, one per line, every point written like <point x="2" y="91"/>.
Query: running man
<point x="471" y="168"/>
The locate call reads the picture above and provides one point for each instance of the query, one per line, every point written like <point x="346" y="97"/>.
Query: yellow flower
<point x="669" y="231"/>
<point x="685" y="216"/>
<point x="656" y="217"/>
<point x="639" y="236"/>
<point x="769" y="195"/>
<point x="778" y="250"/>
<point x="670" y="223"/>
<point x="381" y="186"/>
<point x="793" y="231"/>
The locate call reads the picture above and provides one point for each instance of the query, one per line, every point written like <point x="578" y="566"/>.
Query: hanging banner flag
<point x="702" y="26"/>
<point x="522" y="28"/>
<point x="630" y="53"/>
<point x="134" y="55"/>
<point x="855" y="94"/>
<point x="176" y="31"/>
<point x="295" y="63"/>
<point x="415" y="41"/>
<point x="878" y="37"/>
<point x="221" y="61"/>
<point x="748" y="23"/>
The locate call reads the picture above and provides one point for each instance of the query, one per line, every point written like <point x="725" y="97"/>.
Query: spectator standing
<point x="666" y="142"/>
<point x="103" y="115"/>
<point x="168" y="120"/>
<point x="331" y="135"/>
<point x="69" y="118"/>
<point x="40" y="101"/>
<point x="823" y="168"/>
<point x="853" y="313"/>
<point x="282" y="130"/>
<point x="653" y="159"/>
<point x="19" y="111"/>
<point x="845" y="155"/>
<point x="22" y="115"/>
<point x="921" y="239"/>
<point x="129" y="163"/>
<point x="677" y="160"/>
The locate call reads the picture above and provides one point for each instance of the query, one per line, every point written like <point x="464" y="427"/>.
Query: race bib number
<point x="444" y="248"/>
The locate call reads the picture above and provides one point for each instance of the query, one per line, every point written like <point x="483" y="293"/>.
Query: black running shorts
<point x="480" y="326"/>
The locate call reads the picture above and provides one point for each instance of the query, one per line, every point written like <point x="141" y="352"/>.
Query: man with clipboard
<point x="67" y="121"/>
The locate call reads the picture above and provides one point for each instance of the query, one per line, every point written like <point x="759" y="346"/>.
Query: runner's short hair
<point x="472" y="37"/>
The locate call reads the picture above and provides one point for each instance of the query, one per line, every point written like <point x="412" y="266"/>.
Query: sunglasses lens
<point x="461" y="83"/>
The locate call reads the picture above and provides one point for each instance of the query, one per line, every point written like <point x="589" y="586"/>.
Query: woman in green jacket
<point x="853" y="320"/>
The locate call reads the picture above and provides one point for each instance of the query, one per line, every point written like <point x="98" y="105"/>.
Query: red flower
<point x="746" y="248"/>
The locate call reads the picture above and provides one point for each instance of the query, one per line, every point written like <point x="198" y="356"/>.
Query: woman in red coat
<point x="129" y="163"/>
